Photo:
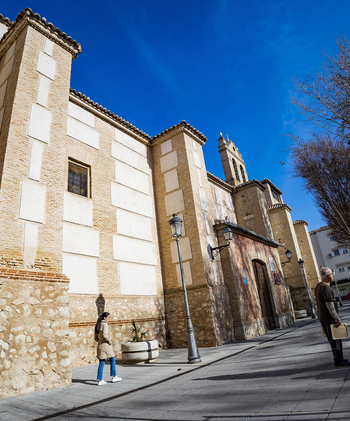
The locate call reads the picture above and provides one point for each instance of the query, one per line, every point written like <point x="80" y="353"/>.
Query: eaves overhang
<point x="182" y="127"/>
<point x="34" y="20"/>
<point x="249" y="184"/>
<point x="244" y="232"/>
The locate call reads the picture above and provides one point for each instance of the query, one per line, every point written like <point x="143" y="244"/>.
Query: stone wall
<point x="300" y="299"/>
<point x="34" y="344"/>
<point x="146" y="311"/>
<point x="307" y="253"/>
<point x="285" y="234"/>
<point x="201" y="316"/>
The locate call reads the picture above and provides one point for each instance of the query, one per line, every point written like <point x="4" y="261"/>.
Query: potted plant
<point x="138" y="350"/>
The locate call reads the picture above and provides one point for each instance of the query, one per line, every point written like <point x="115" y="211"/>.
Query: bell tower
<point x="232" y="162"/>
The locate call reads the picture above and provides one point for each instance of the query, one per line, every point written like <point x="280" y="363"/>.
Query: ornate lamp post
<point x="176" y="231"/>
<point x="302" y="267"/>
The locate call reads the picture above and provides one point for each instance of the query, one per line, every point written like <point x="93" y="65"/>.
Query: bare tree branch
<point x="324" y="166"/>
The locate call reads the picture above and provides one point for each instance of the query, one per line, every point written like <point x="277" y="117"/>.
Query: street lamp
<point x="288" y="256"/>
<point x="215" y="251"/>
<point x="302" y="267"/>
<point x="176" y="231"/>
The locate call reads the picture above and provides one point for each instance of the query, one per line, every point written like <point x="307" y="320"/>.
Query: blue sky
<point x="221" y="65"/>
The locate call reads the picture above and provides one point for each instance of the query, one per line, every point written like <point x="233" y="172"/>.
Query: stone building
<point x="85" y="200"/>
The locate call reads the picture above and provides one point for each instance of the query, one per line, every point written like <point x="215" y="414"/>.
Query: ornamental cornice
<point x="11" y="35"/>
<point x="280" y="206"/>
<point x="300" y="221"/>
<point x="85" y="102"/>
<point x="182" y="127"/>
<point x="34" y="20"/>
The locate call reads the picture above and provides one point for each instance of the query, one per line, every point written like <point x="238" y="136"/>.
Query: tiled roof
<point x="247" y="233"/>
<point x="280" y="205"/>
<point x="5" y="21"/>
<point x="300" y="221"/>
<point x="185" y="125"/>
<point x="50" y="28"/>
<point x="255" y="181"/>
<point x="109" y="114"/>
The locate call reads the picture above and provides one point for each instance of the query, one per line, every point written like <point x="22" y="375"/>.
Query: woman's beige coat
<point x="104" y="347"/>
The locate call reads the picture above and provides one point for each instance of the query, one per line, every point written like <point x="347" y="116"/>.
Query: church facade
<point x="85" y="200"/>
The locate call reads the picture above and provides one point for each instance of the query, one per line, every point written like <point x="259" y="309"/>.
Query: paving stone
<point x="253" y="385"/>
<point x="319" y="405"/>
<point x="342" y="404"/>
<point x="279" y="406"/>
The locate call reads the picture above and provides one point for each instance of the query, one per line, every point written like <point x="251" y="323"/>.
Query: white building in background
<point x="330" y="254"/>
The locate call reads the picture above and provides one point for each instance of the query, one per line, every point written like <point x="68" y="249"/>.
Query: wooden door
<point x="264" y="294"/>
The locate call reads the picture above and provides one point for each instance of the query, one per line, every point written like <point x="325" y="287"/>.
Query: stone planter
<point x="140" y="352"/>
<point x="300" y="314"/>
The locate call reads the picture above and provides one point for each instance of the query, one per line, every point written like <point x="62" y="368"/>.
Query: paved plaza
<point x="287" y="374"/>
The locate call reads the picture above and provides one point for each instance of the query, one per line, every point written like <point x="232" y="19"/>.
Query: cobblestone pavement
<point x="287" y="374"/>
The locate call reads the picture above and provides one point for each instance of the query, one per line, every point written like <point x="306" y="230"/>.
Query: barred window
<point x="78" y="178"/>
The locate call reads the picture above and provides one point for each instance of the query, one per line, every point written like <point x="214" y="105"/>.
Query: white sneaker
<point x="101" y="382"/>
<point x="116" y="379"/>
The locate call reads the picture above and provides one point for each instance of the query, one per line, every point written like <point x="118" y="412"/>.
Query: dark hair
<point x="99" y="321"/>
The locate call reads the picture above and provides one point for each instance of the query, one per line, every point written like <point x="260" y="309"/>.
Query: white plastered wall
<point x="133" y="246"/>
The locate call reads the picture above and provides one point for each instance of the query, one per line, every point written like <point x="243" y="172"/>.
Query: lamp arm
<point x="215" y="251"/>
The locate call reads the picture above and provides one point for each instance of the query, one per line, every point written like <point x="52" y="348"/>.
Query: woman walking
<point x="104" y="348"/>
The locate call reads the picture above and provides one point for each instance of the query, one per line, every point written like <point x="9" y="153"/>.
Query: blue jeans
<point x="101" y="366"/>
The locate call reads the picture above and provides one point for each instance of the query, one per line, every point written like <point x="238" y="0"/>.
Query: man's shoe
<point x="101" y="382"/>
<point x="345" y="360"/>
<point x="116" y="379"/>
<point x="342" y="364"/>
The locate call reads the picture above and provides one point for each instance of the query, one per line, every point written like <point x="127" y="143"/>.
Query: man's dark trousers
<point x="336" y="345"/>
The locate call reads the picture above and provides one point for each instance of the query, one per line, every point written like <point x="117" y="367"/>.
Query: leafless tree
<point x="327" y="93"/>
<point x="325" y="168"/>
<point x="323" y="161"/>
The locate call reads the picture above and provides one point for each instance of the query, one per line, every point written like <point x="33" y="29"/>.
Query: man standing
<point x="327" y="310"/>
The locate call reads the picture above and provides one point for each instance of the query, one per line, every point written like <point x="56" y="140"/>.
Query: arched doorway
<point x="264" y="294"/>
